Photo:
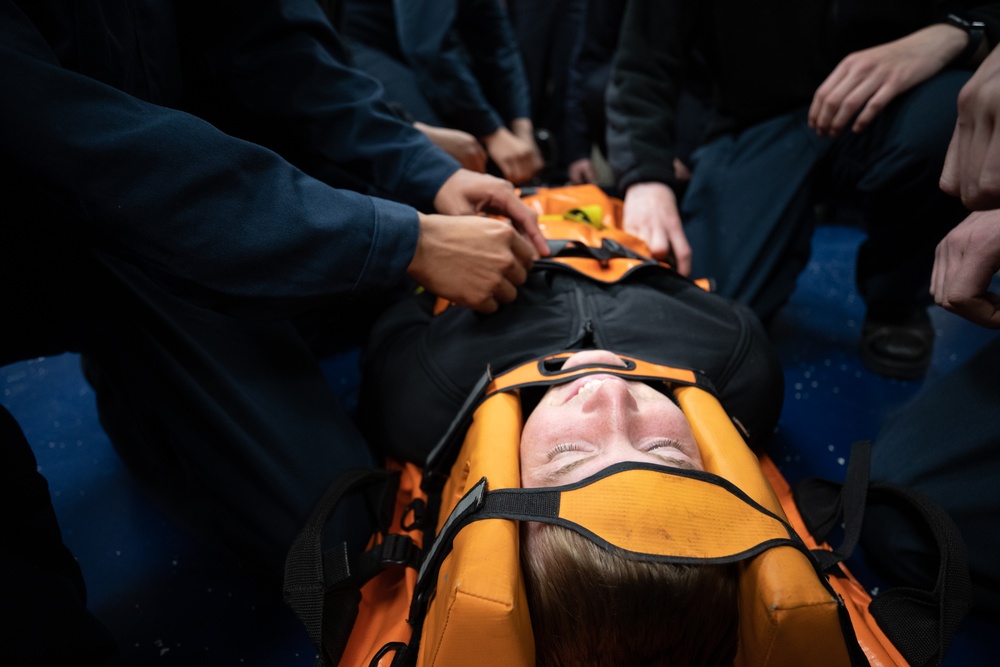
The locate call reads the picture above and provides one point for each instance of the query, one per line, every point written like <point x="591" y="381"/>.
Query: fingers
<point x="843" y="94"/>
<point x="989" y="179"/>
<point x="964" y="265"/>
<point x="650" y="212"/>
<point x="980" y="172"/>
<point x="524" y="252"/>
<point x="950" y="176"/>
<point x="503" y="287"/>
<point x="505" y="292"/>
<point x="523" y="218"/>
<point x="972" y="165"/>
<point x="474" y="262"/>
<point x="878" y="101"/>
<point x="656" y="239"/>
<point x="937" y="272"/>
<point x="487" y="306"/>
<point x="582" y="171"/>
<point x="475" y="159"/>
<point x="864" y="82"/>
<point x="469" y="193"/>
<point x="518" y="160"/>
<point x="819" y="114"/>
<point x="520" y="168"/>
<point x="983" y="309"/>
<point x="681" y="251"/>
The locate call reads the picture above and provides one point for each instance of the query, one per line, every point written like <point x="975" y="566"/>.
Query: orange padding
<point x="557" y="201"/>
<point x="551" y="204"/>
<point x="788" y="618"/>
<point x="529" y="372"/>
<point x="479" y="614"/>
<point x="703" y="520"/>
<point x="385" y="601"/>
<point x="877" y="647"/>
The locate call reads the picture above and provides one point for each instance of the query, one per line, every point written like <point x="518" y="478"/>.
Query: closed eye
<point x="564" y="447"/>
<point x="663" y="442"/>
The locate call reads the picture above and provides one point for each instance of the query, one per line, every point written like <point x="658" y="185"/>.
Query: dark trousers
<point x="43" y="602"/>
<point x="747" y="209"/>
<point x="228" y="420"/>
<point x="399" y="81"/>
<point x="946" y="446"/>
<point x="548" y="34"/>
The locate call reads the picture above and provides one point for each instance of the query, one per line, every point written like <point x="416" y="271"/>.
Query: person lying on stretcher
<point x="631" y="612"/>
<point x="420" y="367"/>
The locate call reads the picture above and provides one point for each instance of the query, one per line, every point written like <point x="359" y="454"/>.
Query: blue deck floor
<point x="169" y="601"/>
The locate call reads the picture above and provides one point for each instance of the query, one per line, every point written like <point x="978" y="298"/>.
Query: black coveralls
<point x="420" y="368"/>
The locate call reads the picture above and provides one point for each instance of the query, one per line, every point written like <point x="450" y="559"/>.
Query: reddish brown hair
<point x="592" y="607"/>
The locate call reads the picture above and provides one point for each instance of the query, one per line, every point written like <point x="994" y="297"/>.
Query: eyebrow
<point x="559" y="473"/>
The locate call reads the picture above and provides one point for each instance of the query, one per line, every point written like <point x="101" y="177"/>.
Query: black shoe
<point x="898" y="347"/>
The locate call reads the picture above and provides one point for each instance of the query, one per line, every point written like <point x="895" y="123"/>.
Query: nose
<point x="613" y="398"/>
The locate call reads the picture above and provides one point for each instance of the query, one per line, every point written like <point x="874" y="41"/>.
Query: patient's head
<point x="590" y="606"/>
<point x="583" y="426"/>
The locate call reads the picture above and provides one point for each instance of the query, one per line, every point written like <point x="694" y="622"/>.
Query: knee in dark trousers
<point x="43" y="608"/>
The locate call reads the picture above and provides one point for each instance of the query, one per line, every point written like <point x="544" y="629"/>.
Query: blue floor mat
<point x="169" y="601"/>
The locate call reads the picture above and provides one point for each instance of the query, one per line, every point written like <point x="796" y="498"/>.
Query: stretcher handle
<point x="323" y="588"/>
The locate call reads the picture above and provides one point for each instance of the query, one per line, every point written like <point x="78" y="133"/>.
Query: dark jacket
<point x="764" y="58"/>
<point x="419" y="368"/>
<point x="199" y="140"/>
<point x="463" y="54"/>
<point x="588" y="78"/>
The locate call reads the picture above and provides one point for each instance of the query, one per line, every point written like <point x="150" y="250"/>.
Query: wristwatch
<point x="976" y="30"/>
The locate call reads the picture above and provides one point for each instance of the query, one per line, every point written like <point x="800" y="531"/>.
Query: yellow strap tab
<point x="590" y="215"/>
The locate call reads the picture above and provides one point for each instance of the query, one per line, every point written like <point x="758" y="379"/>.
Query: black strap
<point x="920" y="623"/>
<point x="609" y="249"/>
<point x="438" y="465"/>
<point x="324" y="589"/>
<point x="823" y="504"/>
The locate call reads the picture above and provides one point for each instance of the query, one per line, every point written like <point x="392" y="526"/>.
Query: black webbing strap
<point x="920" y="623"/>
<point x="823" y="504"/>
<point x="438" y="465"/>
<point x="609" y="249"/>
<point x="324" y="589"/>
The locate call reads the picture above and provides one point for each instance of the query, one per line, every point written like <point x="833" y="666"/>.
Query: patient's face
<point x="583" y="426"/>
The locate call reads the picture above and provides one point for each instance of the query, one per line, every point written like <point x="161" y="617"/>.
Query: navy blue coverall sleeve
<point x="430" y="44"/>
<point x="178" y="195"/>
<point x="489" y="38"/>
<point x="327" y="118"/>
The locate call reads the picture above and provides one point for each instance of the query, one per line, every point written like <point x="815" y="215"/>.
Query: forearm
<point x="285" y="67"/>
<point x="179" y="196"/>
<point x="989" y="15"/>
